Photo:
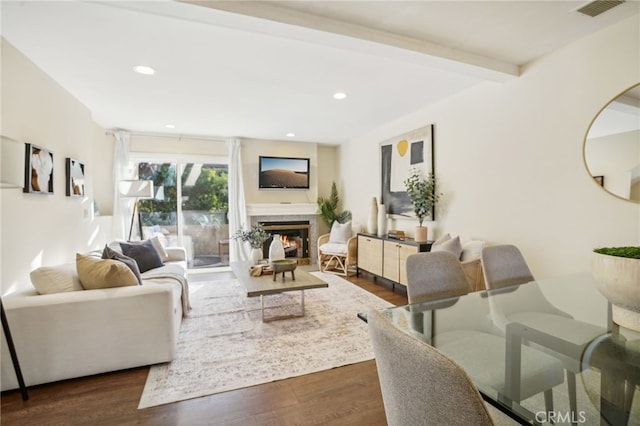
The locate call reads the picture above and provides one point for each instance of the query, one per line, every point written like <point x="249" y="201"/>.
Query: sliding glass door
<point x="198" y="222"/>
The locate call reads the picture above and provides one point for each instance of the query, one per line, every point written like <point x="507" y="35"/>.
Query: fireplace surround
<point x="283" y="218"/>
<point x="294" y="235"/>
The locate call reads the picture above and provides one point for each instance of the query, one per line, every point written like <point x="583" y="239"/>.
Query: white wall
<point x="509" y="156"/>
<point x="44" y="229"/>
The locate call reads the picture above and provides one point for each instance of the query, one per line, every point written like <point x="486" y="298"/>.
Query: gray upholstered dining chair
<point x="505" y="266"/>
<point x="439" y="276"/>
<point x="426" y="387"/>
<point x="434" y="275"/>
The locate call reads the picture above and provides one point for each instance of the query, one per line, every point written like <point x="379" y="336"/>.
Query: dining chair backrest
<point x="503" y="266"/>
<point x="434" y="275"/>
<point x="421" y="385"/>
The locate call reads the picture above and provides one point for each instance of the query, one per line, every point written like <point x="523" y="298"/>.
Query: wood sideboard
<point x="387" y="257"/>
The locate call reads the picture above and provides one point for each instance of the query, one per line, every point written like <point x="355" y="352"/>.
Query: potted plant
<point x="255" y="236"/>
<point x="423" y="195"/>
<point x="328" y="208"/>
<point x="616" y="273"/>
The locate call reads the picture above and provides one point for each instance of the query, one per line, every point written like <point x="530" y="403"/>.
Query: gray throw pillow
<point x="109" y="253"/>
<point x="144" y="253"/>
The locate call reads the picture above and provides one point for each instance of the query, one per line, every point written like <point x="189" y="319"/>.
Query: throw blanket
<point x="177" y="276"/>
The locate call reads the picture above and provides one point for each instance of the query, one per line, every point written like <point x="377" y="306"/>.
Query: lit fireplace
<point x="294" y="236"/>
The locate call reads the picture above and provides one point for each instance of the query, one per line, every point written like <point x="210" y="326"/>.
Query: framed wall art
<point x="398" y="157"/>
<point x="74" y="171"/>
<point x="38" y="170"/>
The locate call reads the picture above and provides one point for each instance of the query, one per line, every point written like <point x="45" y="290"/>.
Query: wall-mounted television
<point x="283" y="173"/>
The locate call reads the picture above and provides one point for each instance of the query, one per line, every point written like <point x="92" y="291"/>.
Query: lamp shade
<point x="136" y="188"/>
<point x="11" y="163"/>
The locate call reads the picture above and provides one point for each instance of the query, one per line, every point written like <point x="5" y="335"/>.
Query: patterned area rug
<point x="223" y="344"/>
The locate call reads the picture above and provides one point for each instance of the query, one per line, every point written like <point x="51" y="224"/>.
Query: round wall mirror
<point x="612" y="146"/>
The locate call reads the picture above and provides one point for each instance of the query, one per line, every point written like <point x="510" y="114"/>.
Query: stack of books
<point x="395" y="234"/>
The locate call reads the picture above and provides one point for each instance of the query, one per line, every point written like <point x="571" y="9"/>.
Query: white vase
<point x="256" y="255"/>
<point x="276" y="249"/>
<point x="382" y="220"/>
<point x="372" y="222"/>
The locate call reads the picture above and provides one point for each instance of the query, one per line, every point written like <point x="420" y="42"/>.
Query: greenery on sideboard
<point x="630" y="252"/>
<point x="423" y="193"/>
<point x="328" y="208"/>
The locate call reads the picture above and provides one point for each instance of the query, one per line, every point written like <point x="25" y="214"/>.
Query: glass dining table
<point x="499" y="337"/>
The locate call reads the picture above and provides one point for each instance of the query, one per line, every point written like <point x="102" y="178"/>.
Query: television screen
<point x="283" y="173"/>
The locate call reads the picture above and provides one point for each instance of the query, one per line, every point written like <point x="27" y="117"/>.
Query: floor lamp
<point x="140" y="190"/>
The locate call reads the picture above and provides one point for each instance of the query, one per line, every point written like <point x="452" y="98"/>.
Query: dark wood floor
<point x="347" y="395"/>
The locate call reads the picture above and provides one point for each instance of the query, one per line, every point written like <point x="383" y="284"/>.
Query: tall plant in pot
<point x="328" y="208"/>
<point x="616" y="273"/>
<point x="423" y="194"/>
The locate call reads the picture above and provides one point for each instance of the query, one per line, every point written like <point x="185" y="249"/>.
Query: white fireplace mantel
<point x="281" y="209"/>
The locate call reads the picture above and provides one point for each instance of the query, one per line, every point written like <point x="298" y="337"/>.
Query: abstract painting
<point x="38" y="170"/>
<point x="75" y="178"/>
<point x="398" y="157"/>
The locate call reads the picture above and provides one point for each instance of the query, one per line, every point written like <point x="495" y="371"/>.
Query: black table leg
<point x="14" y="355"/>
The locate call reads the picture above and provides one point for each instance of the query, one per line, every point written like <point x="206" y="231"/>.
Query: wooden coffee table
<point x="264" y="285"/>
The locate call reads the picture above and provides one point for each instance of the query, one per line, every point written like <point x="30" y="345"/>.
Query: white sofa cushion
<point x="103" y="273"/>
<point x="56" y="279"/>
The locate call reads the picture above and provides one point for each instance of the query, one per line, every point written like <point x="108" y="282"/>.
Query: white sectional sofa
<point x="78" y="333"/>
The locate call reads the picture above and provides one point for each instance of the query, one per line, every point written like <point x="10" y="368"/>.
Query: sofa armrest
<point x="176" y="254"/>
<point x="73" y="334"/>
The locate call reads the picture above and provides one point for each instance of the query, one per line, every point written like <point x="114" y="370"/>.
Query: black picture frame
<point x="38" y="170"/>
<point x="74" y="183"/>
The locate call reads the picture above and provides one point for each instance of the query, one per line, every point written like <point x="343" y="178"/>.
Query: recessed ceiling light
<point x="170" y="126"/>
<point x="142" y="69"/>
<point x="291" y="135"/>
<point x="339" y="95"/>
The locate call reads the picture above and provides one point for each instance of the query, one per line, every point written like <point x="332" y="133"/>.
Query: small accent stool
<point x="284" y="265"/>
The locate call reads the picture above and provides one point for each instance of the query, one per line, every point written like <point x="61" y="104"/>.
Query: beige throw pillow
<point x="56" y="279"/>
<point x="103" y="273"/>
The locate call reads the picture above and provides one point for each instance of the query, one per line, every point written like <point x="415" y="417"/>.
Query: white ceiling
<point x="263" y="69"/>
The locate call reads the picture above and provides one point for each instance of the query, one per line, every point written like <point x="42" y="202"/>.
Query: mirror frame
<point x="584" y="146"/>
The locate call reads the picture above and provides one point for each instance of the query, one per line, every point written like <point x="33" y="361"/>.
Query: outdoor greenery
<point x="422" y="193"/>
<point x="328" y="208"/>
<point x="209" y="193"/>
<point x="255" y="236"/>
<point x="631" y="252"/>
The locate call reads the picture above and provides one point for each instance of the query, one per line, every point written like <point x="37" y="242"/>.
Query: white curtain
<point x="121" y="171"/>
<point x="237" y="207"/>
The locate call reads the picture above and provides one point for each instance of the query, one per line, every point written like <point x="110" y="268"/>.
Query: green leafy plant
<point x="328" y="208"/>
<point x="422" y="193"/>
<point x="255" y="236"/>
<point x="631" y="252"/>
